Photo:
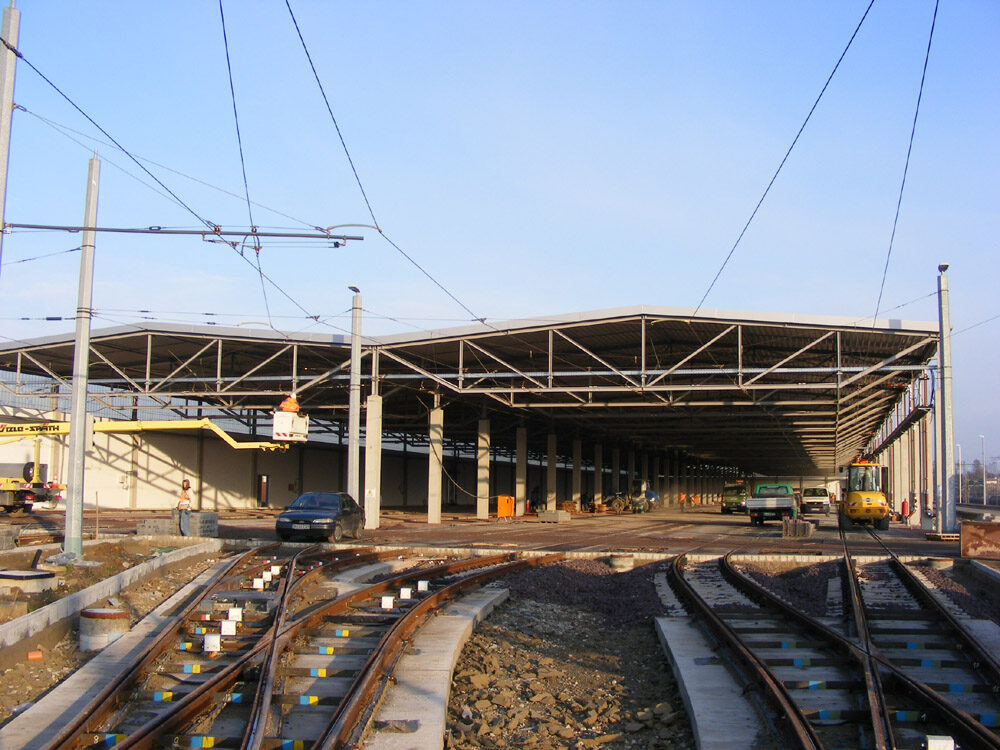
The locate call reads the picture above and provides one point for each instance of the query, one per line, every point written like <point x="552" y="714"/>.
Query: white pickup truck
<point x="771" y="501"/>
<point x="816" y="500"/>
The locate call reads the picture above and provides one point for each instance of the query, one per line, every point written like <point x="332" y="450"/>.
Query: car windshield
<point x="316" y="501"/>
<point x="815" y="492"/>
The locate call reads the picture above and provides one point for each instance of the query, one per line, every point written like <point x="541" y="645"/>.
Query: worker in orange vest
<point x="291" y="403"/>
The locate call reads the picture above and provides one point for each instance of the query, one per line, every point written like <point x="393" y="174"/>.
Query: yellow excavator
<point x="864" y="500"/>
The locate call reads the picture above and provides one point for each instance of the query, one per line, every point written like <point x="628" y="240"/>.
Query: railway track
<point x="850" y="682"/>
<point x="267" y="658"/>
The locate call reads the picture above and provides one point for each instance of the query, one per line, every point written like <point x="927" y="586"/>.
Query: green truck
<point x="734" y="497"/>
<point x="772" y="501"/>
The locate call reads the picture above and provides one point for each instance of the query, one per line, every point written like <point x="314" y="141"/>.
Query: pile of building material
<point x="796" y="527"/>
<point x="202" y="524"/>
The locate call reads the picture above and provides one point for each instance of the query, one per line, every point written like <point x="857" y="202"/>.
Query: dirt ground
<point x="27" y="682"/>
<point x="570" y="661"/>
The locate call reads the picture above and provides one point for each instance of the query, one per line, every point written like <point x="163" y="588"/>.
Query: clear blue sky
<point x="535" y="158"/>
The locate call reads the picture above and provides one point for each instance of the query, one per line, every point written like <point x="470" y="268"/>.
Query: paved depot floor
<point x="668" y="531"/>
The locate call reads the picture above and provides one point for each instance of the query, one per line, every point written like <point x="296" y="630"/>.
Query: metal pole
<point x="73" y="537"/>
<point x="354" y="401"/>
<point x="947" y="425"/>
<point x="961" y="473"/>
<point x="8" y="62"/>
<point x="983" y="438"/>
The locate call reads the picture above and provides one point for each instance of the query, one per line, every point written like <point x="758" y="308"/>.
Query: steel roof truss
<point x="185" y="363"/>
<point x="689" y="357"/>
<point x="789" y="358"/>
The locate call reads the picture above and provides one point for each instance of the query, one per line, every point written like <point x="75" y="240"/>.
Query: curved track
<point x="292" y="667"/>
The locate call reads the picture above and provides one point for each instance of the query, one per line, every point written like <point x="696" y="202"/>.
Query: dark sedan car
<point x="321" y="515"/>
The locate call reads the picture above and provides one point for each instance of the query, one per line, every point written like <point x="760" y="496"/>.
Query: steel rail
<point x="103" y="704"/>
<point x="796" y="729"/>
<point x="881" y="725"/>
<point x="969" y="732"/>
<point x="348" y="721"/>
<point x="984" y="660"/>
<point x="199" y="699"/>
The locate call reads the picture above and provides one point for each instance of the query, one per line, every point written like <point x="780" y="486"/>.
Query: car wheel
<point x="359" y="532"/>
<point x="283" y="536"/>
<point x="882" y="524"/>
<point x="337" y="534"/>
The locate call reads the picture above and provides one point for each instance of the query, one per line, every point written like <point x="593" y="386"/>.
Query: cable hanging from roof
<point x="243" y="164"/>
<point x="906" y="166"/>
<point x="784" y="159"/>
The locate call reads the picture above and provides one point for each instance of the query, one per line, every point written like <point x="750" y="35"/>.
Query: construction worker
<point x="184" y="508"/>
<point x="291" y="403"/>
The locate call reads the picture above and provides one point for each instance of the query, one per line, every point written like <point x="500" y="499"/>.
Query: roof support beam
<point x="789" y="358"/>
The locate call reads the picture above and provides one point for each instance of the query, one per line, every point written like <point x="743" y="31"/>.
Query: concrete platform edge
<point x="28" y="625"/>
<point x="705" y="684"/>
<point x="41" y="721"/>
<point x="424" y="674"/>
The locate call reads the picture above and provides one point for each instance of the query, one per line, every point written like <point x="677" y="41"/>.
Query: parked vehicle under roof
<point x="321" y="516"/>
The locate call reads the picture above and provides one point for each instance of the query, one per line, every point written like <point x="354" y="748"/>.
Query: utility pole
<point x="354" y="401"/>
<point x="946" y="430"/>
<point x="983" y="438"/>
<point x="8" y="61"/>
<point x="73" y="535"/>
<point x="961" y="473"/>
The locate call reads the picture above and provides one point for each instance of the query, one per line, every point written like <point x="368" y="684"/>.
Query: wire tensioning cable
<point x="107" y="135"/>
<point x="243" y="164"/>
<point x="784" y="159"/>
<point x="64" y="130"/>
<point x="906" y="166"/>
<point x="39" y="257"/>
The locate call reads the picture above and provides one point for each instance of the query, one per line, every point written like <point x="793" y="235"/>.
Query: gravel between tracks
<point x="26" y="683"/>
<point x="570" y="661"/>
<point x="803" y="586"/>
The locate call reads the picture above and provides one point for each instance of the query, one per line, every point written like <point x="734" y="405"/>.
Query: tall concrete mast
<point x="8" y="61"/>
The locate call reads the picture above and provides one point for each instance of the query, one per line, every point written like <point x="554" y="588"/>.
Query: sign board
<point x="290" y="427"/>
<point x="27" y="428"/>
<point x="980" y="539"/>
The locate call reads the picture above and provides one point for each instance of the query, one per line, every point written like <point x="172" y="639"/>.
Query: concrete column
<point x="521" y="471"/>
<point x="644" y="470"/>
<point x="655" y="484"/>
<point x="598" y="473"/>
<point x="630" y="475"/>
<point x="434" y="458"/>
<point x="686" y="479"/>
<point x="616" y="469"/>
<point x="373" y="461"/>
<point x="483" y="470"/>
<point x="550" y="472"/>
<point x="577" y="472"/>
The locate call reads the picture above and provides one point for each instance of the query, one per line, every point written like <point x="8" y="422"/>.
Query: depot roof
<point x="765" y="392"/>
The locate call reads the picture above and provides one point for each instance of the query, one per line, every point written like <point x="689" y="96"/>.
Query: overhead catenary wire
<point x="243" y="164"/>
<point x="783" y="160"/>
<point x="906" y="166"/>
<point x="64" y="130"/>
<point x="105" y="133"/>
<point x="40" y="257"/>
<point x="364" y="195"/>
